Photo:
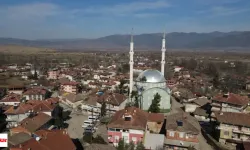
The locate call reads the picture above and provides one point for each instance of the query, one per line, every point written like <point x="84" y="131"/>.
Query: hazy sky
<point x="38" y="19"/>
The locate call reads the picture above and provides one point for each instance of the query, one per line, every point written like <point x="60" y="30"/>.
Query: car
<point x="89" y="130"/>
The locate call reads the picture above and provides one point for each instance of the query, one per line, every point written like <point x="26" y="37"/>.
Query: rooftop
<point x="139" y="119"/>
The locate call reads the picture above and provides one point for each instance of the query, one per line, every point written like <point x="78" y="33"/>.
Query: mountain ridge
<point x="174" y="40"/>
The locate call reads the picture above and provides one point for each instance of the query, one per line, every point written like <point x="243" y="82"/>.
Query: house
<point x="32" y="123"/>
<point x="114" y="101"/>
<point x="19" y="138"/>
<point x="181" y="133"/>
<point x="90" y="104"/>
<point x="198" y="102"/>
<point x="233" y="126"/>
<point x="53" y="74"/>
<point x="11" y="99"/>
<point x="151" y="143"/>
<point x="72" y="100"/>
<point x="177" y="68"/>
<point x="201" y="115"/>
<point x="131" y="124"/>
<point x="229" y="102"/>
<point x="47" y="140"/>
<point x="70" y="87"/>
<point x="36" y="93"/>
<point x="17" y="113"/>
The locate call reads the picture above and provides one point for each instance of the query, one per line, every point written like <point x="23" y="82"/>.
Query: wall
<point x="177" y="137"/>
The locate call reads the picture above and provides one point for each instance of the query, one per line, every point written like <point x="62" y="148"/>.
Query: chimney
<point x="20" y="146"/>
<point x="134" y="110"/>
<point x="221" y="113"/>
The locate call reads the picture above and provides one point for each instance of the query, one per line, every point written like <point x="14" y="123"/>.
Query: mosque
<point x="150" y="82"/>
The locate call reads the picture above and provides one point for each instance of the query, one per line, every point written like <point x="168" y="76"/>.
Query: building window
<point x="134" y="139"/>
<point x="171" y="133"/>
<point x="117" y="138"/>
<point x="226" y="133"/>
<point x="181" y="135"/>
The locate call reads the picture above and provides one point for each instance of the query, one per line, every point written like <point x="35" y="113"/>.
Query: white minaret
<point x="131" y="62"/>
<point x="163" y="50"/>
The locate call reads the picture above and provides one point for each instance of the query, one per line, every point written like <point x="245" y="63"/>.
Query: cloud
<point x="217" y="2"/>
<point x="30" y="11"/>
<point x="218" y="11"/>
<point x="128" y="8"/>
<point x="147" y="15"/>
<point x="226" y="11"/>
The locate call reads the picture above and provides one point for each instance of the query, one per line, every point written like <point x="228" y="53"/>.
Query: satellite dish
<point x="37" y="138"/>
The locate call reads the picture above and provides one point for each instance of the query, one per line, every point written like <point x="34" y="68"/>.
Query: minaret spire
<point x="131" y="63"/>
<point x="163" y="50"/>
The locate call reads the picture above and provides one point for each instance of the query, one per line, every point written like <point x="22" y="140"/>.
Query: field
<point x="14" y="49"/>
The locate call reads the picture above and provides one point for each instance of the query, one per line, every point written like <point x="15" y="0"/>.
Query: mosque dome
<point x="151" y="76"/>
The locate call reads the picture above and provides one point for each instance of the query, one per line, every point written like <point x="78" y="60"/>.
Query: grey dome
<point x="152" y="76"/>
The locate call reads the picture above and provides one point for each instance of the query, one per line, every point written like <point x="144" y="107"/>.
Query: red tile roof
<point x="12" y="97"/>
<point x="32" y="105"/>
<point x="70" y="83"/>
<point x="139" y="119"/>
<point x="49" y="140"/>
<point x="112" y="98"/>
<point x="35" y="91"/>
<point x="232" y="99"/>
<point x="233" y="118"/>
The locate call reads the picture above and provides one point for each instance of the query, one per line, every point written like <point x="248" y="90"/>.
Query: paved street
<point x="75" y="129"/>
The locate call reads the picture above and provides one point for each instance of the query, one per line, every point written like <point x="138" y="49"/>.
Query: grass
<point x="15" y="49"/>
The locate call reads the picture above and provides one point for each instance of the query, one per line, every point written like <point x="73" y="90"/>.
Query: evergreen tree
<point x="136" y="103"/>
<point x="121" y="145"/>
<point x="155" y="106"/>
<point x="35" y="76"/>
<point x="143" y="79"/>
<point x="140" y="146"/>
<point x="131" y="146"/>
<point x="103" y="109"/>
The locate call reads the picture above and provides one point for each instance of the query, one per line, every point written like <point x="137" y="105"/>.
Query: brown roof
<point x="232" y="99"/>
<point x="112" y="98"/>
<point x="73" y="97"/>
<point x="139" y="119"/>
<point x="201" y="101"/>
<point x="35" y="91"/>
<point x="32" y="105"/>
<point x="33" y="123"/>
<point x="12" y="97"/>
<point x="49" y="140"/>
<point x="240" y="119"/>
<point x="186" y="125"/>
<point x="19" y="138"/>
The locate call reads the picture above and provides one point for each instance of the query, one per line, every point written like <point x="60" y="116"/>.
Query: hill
<point x="175" y="40"/>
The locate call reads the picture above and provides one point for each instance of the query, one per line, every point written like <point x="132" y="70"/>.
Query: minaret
<point x="131" y="62"/>
<point x="163" y="50"/>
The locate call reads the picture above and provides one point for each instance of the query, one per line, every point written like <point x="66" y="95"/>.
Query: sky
<point x="65" y="19"/>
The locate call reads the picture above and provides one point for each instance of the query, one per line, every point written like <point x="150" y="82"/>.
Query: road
<point x="75" y="129"/>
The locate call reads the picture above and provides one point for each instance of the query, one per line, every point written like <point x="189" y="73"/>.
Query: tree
<point x="121" y="145"/>
<point x="191" y="148"/>
<point x="155" y="105"/>
<point x="136" y="102"/>
<point x="143" y="79"/>
<point x="216" y="81"/>
<point x="140" y="146"/>
<point x="121" y="86"/>
<point x="103" y="109"/>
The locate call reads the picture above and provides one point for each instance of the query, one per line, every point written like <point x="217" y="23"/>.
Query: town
<point x="125" y="100"/>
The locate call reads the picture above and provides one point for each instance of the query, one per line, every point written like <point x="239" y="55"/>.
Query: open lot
<point x="75" y="129"/>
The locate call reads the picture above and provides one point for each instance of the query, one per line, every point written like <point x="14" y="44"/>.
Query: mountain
<point x="174" y="40"/>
